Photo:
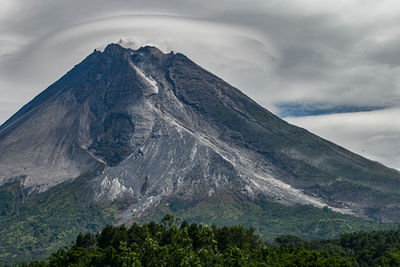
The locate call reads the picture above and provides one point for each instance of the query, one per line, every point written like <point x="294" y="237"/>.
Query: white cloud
<point x="373" y="134"/>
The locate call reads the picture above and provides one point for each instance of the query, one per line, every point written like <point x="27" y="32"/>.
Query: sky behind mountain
<point x="329" y="66"/>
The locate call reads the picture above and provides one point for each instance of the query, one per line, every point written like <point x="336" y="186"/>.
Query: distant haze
<point x="315" y="55"/>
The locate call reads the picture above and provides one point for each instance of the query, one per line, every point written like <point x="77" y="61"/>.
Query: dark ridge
<point x="114" y="50"/>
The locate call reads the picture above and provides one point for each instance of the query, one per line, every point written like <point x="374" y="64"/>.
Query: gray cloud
<point x="308" y="52"/>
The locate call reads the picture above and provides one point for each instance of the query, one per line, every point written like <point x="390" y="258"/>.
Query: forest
<point x="173" y="242"/>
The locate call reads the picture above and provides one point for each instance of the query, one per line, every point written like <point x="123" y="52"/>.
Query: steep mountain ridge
<point x="164" y="127"/>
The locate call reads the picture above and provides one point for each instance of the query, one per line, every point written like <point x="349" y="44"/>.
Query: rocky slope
<point x="164" y="128"/>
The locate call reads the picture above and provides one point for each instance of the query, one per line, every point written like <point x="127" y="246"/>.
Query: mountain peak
<point x="114" y="49"/>
<point x="150" y="49"/>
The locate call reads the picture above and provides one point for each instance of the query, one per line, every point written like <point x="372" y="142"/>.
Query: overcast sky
<point x="329" y="66"/>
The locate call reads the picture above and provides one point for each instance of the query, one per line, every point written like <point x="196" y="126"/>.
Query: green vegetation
<point x="267" y="218"/>
<point x="34" y="228"/>
<point x="37" y="227"/>
<point x="175" y="243"/>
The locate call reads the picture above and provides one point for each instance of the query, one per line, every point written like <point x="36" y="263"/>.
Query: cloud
<point x="217" y="46"/>
<point x="373" y="134"/>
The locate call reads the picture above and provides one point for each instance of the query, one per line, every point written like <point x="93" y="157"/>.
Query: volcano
<point x="145" y="132"/>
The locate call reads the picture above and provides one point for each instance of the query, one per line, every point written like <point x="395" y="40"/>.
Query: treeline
<point x="175" y="243"/>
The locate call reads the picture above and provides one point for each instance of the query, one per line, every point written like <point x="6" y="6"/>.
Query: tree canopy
<point x="173" y="242"/>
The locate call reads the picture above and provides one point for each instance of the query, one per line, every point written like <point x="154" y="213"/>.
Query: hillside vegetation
<point x="176" y="243"/>
<point x="35" y="228"/>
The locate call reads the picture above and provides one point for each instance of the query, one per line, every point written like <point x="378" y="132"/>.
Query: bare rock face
<point x="163" y="127"/>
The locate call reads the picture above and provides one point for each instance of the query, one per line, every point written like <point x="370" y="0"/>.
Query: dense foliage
<point x="33" y="228"/>
<point x="172" y="243"/>
<point x="267" y="218"/>
<point x="36" y="227"/>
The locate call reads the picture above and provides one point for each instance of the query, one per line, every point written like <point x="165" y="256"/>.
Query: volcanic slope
<point x="144" y="129"/>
